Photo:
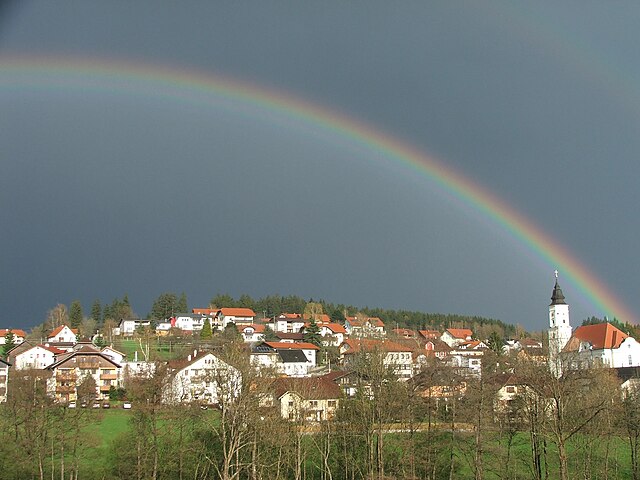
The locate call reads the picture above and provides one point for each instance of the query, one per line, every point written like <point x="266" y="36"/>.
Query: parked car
<point x="71" y="405"/>
<point x="106" y="405"/>
<point x="95" y="405"/>
<point x="126" y="405"/>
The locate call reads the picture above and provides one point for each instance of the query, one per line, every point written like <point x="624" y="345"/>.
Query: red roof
<point x="256" y="328"/>
<point x="309" y="388"/>
<point x="54" y="350"/>
<point x="336" y="328"/>
<point x="291" y="316"/>
<point x="601" y="335"/>
<point x="237" y="312"/>
<point x="16" y="332"/>
<point x="429" y="334"/>
<point x="204" y="311"/>
<point x="462" y="333"/>
<point x="368" y="345"/>
<point x="292" y="346"/>
<point x="60" y="328"/>
<point x="375" y="321"/>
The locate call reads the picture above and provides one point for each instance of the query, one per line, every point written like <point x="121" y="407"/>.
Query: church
<point x="601" y="344"/>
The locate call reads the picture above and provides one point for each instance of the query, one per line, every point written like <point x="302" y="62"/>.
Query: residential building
<point x="307" y="399"/>
<point x="18" y="335"/>
<point x="288" y="323"/>
<point x="238" y="316"/>
<point x="251" y="333"/>
<point x="601" y="344"/>
<point x="37" y="357"/>
<point x="201" y="377"/>
<point x="128" y="326"/>
<point x="4" y="380"/>
<point x="70" y="370"/>
<point x="364" y="327"/>
<point x="394" y="355"/>
<point x="456" y="336"/>
<point x="63" y="334"/>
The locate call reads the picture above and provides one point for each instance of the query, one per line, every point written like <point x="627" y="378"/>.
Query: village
<point x="308" y="387"/>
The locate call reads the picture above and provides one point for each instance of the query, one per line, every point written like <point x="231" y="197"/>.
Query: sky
<point x="108" y="190"/>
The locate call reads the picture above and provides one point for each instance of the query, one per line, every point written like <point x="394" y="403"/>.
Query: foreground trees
<point x="575" y="426"/>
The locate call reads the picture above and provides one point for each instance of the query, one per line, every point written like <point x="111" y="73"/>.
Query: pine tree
<point x="182" y="304"/>
<point x="96" y="311"/>
<point x="312" y="333"/>
<point x="206" y="332"/>
<point x="75" y="314"/>
<point x="9" y="342"/>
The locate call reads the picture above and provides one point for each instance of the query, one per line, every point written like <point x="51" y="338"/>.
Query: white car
<point x="126" y="405"/>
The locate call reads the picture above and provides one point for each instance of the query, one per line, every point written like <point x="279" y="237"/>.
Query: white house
<point x="601" y="344"/>
<point x="128" y="326"/>
<point x="455" y="336"/>
<point x="4" y="380"/>
<point x="113" y="354"/>
<point x="288" y="323"/>
<point x="251" y="333"/>
<point x="333" y="334"/>
<point x="364" y="327"/>
<point x="70" y="370"/>
<point x="239" y="316"/>
<point x="395" y="355"/>
<point x="291" y="359"/>
<point x="63" y="334"/>
<point x="189" y="322"/>
<point x="312" y="399"/>
<point x="202" y="377"/>
<point x="18" y="335"/>
<point x="37" y="357"/>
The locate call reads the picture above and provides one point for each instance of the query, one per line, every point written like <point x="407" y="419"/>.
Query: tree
<point x="75" y="314"/>
<point x="165" y="306"/>
<point x="206" y="332"/>
<point x="312" y="333"/>
<point x="270" y="335"/>
<point x="9" y="342"/>
<point x="58" y="315"/>
<point x="182" y="306"/>
<point x="313" y="310"/>
<point x="96" y="312"/>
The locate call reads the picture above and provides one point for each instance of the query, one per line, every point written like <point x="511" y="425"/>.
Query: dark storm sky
<point x="104" y="193"/>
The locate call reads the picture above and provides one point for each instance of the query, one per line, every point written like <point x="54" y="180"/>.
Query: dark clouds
<point x="105" y="194"/>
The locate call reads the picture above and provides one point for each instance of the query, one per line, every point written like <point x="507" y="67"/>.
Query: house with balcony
<point x="288" y="323"/>
<point x="364" y="327"/>
<point x="71" y="369"/>
<point x="312" y="399"/>
<point x="201" y="377"/>
<point x="238" y="316"/>
<point x="395" y="356"/>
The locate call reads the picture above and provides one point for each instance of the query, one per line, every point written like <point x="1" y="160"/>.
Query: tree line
<point x="438" y="425"/>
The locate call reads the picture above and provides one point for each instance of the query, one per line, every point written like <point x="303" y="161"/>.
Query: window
<point x="630" y="360"/>
<point x="313" y="403"/>
<point x="332" y="403"/>
<point x="511" y="389"/>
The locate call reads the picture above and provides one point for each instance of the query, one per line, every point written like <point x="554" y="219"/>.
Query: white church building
<point x="600" y="344"/>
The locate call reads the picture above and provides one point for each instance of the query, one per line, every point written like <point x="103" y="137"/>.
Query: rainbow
<point x="90" y="75"/>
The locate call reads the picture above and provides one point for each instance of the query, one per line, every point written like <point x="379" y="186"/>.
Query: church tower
<point x="559" y="327"/>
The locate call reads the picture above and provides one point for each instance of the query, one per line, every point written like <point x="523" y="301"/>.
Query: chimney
<point x="188" y="358"/>
<point x="195" y="352"/>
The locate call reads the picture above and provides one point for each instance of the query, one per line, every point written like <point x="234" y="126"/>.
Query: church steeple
<point x="559" y="326"/>
<point x="557" y="298"/>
